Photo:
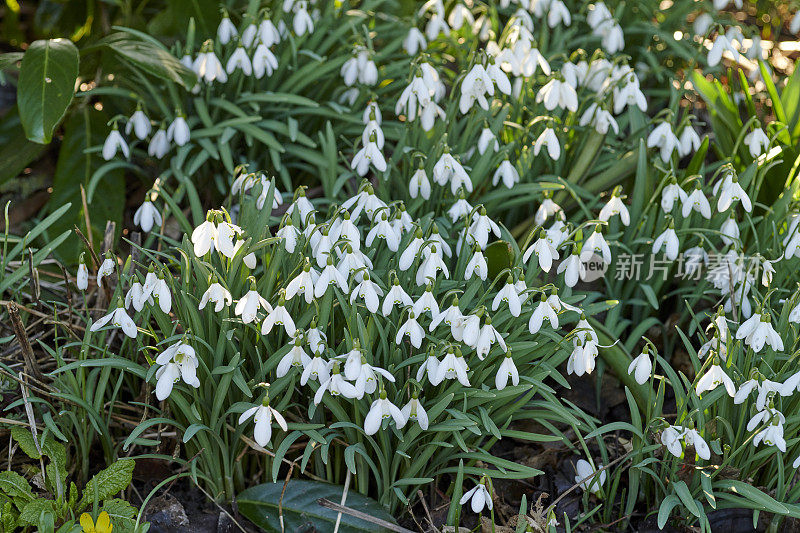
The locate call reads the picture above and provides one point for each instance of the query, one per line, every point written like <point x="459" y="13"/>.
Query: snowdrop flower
<point x="82" y="277"/>
<point x="369" y="154"/>
<point x="597" y="14"/>
<point x="264" y="61"/>
<point x="729" y="231"/>
<point x="430" y="366"/>
<point x="136" y="297"/>
<point x="317" y="369"/>
<point x="485" y="140"/>
<point x="115" y="142"/>
<point x="596" y="244"/>
<point x="758" y="331"/>
<point x="303" y="284"/>
<point x="179" y="361"/>
<point x="328" y="277"/>
<point x="689" y="141"/>
<point x="239" y="60"/>
<point x="289" y="234"/>
<point x="771" y="436"/>
<point x="611" y="36"/>
<point x="395" y="297"/>
<point x="477" y="265"/>
<point x="669" y="241"/>
<point x="573" y="268"/>
<point x="118" y="318"/>
<point x="480" y="496"/>
<point x="507" y="173"/>
<point x="159" y="289"/>
<point x="178" y="131"/>
<point x="419" y="184"/>
<point x="487" y="337"/>
<point x="671" y="192"/>
<point x="558" y="14"/>
<point x="506" y="370"/>
<point x="384" y="230"/>
<point x="139" y="124"/>
<point x="692" y="438"/>
<point x="147" y="216"/>
<point x="208" y="67"/>
<point x="381" y="409"/>
<point x="414" y="42"/>
<point x="508" y="294"/>
<point x="431" y="264"/>
<point x="641" y="367"/>
<point x="106" y="269"/>
<point x="587" y="477"/>
<point x="451" y="316"/>
<point x="411" y="328"/>
<point x="336" y="385"/>
<point x="730" y="192"/>
<point x="582" y="359"/>
<point x="367" y="378"/>
<point x="757" y="142"/>
<point x="302" y="22"/>
<point x="262" y="415"/>
<point x="459" y="15"/>
<point x="702" y="23"/>
<point x="696" y="201"/>
<point x="671" y="439"/>
<point x="615" y="207"/>
<point x="721" y="44"/>
<point x="413" y="410"/>
<point x="280" y="316"/>
<point x="159" y="144"/>
<point x="714" y="377"/>
<point x="436" y="25"/>
<point x="217" y="294"/>
<point x="452" y="367"/>
<point x="543" y="310"/>
<point x="599" y="118"/>
<point x="629" y="95"/>
<point x="767" y="270"/>
<point x="448" y="169"/>
<point x="558" y="93"/>
<point x="250" y="303"/>
<point x="369" y="292"/>
<point x="296" y="357"/>
<point x="547" y="209"/>
<point x="694" y="260"/>
<point x="474" y="88"/>
<point x="664" y="139"/>
<point x="794" y="27"/>
<point x="226" y="31"/>
<point x="549" y="140"/>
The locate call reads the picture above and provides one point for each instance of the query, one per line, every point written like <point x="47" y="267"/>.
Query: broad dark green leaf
<point x="259" y="504"/>
<point x="46" y="85"/>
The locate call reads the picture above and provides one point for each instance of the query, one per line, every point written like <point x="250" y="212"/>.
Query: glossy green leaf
<point x="301" y="511"/>
<point x="46" y="85"/>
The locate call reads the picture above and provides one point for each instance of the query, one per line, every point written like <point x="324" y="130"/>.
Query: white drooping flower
<point x="588" y="478"/>
<point x="507" y="370"/>
<point x="758" y="331"/>
<point x="250" y="303"/>
<point x="82" y="277"/>
<point x="663" y="138"/>
<point x="721" y="44"/>
<point x="600" y="119"/>
<point x="448" y="170"/>
<point x="730" y="191"/>
<point x="218" y="295"/>
<point x="159" y="144"/>
<point x="262" y="415"/>
<point x="641" y="367"/>
<point x="118" y="318"/>
<point x="239" y="60"/>
<point x="480" y="497"/>
<point x="226" y="31"/>
<point x="692" y="438"/>
<point x="336" y="385"/>
<point x="179" y="361"/>
<point x="178" y="131"/>
<point x="712" y="379"/>
<point x="115" y="142"/>
<point x="558" y="93"/>
<point x="671" y="439"/>
<point x="414" y="41"/>
<point x="139" y="124"/>
<point x="696" y="201"/>
<point x="278" y="316"/>
<point x="296" y="357"/>
<point x="475" y="87"/>
<point x="452" y="366"/>
<point x="615" y="207"/>
<point x="106" y="269"/>
<point x="411" y="328"/>
<point x="414" y="410"/>
<point x="671" y="192"/>
<point x="549" y="140"/>
<point x="208" y="67"/>
<point x="147" y="216"/>
<point x="669" y="241"/>
<point x="381" y="409"/>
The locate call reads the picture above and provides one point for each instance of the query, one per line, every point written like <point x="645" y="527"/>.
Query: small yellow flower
<point x="103" y="524"/>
